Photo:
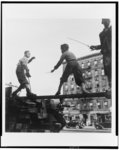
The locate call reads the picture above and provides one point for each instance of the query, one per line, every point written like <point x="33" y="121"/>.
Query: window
<point x="82" y="65"/>
<point x="97" y="90"/>
<point x="99" y="105"/>
<point x="95" y="62"/>
<point x="104" y="90"/>
<point x="101" y="61"/>
<point x="91" y="105"/>
<point x="102" y="72"/>
<point x="97" y="83"/>
<point x="103" y="83"/>
<point x="89" y="73"/>
<point x="88" y="64"/>
<point x="96" y="73"/>
<point x="106" y="104"/>
<point x="84" y="106"/>
<point x="72" y="87"/>
<point x="78" y="106"/>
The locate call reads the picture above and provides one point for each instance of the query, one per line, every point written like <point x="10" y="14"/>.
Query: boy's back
<point x="68" y="56"/>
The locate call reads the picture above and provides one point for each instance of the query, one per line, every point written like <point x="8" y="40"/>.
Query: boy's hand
<point x="92" y="47"/>
<point x="28" y="75"/>
<point x="33" y="58"/>
<point x="52" y="70"/>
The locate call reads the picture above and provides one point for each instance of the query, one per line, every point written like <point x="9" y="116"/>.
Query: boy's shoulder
<point x="24" y="59"/>
<point x="67" y="52"/>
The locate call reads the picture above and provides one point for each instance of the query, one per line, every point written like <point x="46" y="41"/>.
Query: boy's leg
<point x="28" y="90"/>
<point x="60" y="86"/>
<point x="79" y="78"/>
<point x="22" y="80"/>
<point x="66" y="73"/>
<point x="19" y="89"/>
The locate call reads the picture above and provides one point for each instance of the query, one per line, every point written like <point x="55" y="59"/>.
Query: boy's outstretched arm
<point x="58" y="64"/>
<point x="31" y="59"/>
<point x="97" y="47"/>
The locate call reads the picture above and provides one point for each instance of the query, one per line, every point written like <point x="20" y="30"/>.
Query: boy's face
<point x="105" y="22"/>
<point x="28" y="54"/>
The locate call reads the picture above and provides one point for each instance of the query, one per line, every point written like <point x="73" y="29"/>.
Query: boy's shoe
<point x="31" y="95"/>
<point x="58" y="93"/>
<point x="14" y="94"/>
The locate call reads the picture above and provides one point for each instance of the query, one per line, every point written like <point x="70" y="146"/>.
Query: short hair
<point x="64" y="47"/>
<point x="106" y="20"/>
<point x="26" y="51"/>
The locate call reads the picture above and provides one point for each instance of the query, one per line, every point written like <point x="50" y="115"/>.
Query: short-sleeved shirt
<point x="22" y="64"/>
<point x="68" y="56"/>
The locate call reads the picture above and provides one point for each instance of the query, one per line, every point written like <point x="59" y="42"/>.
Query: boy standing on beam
<point x="106" y="48"/>
<point x="72" y="67"/>
<point x="23" y="74"/>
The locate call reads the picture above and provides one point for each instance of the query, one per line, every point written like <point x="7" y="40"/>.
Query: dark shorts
<point x="73" y="68"/>
<point x="21" y="77"/>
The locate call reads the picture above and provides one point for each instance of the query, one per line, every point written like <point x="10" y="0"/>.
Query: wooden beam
<point x="86" y="95"/>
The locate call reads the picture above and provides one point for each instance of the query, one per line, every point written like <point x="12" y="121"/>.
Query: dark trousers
<point x="107" y="66"/>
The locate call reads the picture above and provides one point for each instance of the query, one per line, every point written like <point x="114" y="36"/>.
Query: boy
<point x="71" y="68"/>
<point x="106" y="47"/>
<point x="22" y="73"/>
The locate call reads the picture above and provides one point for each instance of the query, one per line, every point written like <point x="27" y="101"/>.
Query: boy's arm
<point x="59" y="63"/>
<point x="31" y="59"/>
<point x="97" y="47"/>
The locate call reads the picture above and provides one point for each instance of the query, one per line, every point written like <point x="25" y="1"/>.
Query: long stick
<point x="79" y="42"/>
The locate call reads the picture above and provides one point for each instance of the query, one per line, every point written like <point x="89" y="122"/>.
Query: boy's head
<point x="106" y="22"/>
<point x="64" y="47"/>
<point x="27" y="54"/>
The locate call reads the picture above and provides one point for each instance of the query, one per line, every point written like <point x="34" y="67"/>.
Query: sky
<point x="31" y="27"/>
